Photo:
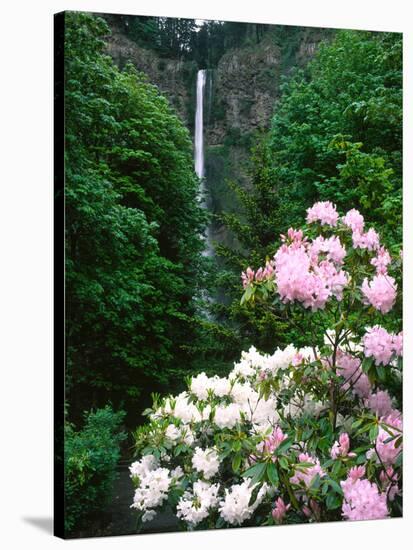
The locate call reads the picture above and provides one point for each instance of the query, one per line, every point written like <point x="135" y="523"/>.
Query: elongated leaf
<point x="272" y="474"/>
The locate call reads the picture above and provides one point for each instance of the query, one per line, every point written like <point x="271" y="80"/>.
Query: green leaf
<point x="256" y="472"/>
<point x="336" y="468"/>
<point x="335" y="486"/>
<point x="272" y="474"/>
<point x="381" y="371"/>
<point x="357" y="423"/>
<point x="283" y="462"/>
<point x="236" y="462"/>
<point x="374" y="430"/>
<point x="284" y="446"/>
<point x="333" y="501"/>
<point x="367" y="364"/>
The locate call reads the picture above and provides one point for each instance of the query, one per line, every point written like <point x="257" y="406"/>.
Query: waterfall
<point x="199" y="124"/>
<point x="199" y="149"/>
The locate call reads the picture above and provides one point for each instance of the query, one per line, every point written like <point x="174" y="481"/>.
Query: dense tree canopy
<point x="133" y="225"/>
<point x="336" y="132"/>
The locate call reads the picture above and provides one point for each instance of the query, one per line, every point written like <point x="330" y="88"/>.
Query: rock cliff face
<point x="241" y="95"/>
<point x="245" y="85"/>
<point x="174" y="78"/>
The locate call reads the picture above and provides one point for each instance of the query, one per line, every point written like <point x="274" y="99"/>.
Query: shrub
<point x="91" y="455"/>
<point x="305" y="434"/>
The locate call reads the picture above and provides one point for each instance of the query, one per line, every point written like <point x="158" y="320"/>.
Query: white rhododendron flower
<point x="195" y="506"/>
<point x="152" y="490"/>
<point x="206" y="462"/>
<point x="200" y="385"/>
<point x="235" y="508"/>
<point x="172" y="432"/>
<point x="143" y="466"/>
<point x="227" y="416"/>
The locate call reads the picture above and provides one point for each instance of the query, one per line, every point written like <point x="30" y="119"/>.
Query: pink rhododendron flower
<point x="297" y="359"/>
<point x="335" y="281"/>
<point x="381" y="261"/>
<point x="380" y="403"/>
<point x="349" y="368"/>
<point x="332" y="247"/>
<point x="369" y="240"/>
<point x="247" y="277"/>
<point x="381" y="345"/>
<point x="387" y="450"/>
<point x="356" y="472"/>
<point x="362" y="500"/>
<point x="272" y="442"/>
<point x="354" y="220"/>
<point x="280" y="510"/>
<point x="299" y="277"/>
<point x="341" y="447"/>
<point x="294" y="279"/>
<point x="293" y="235"/>
<point x="307" y="473"/>
<point x="262" y="274"/>
<point x="380" y="292"/>
<point x="324" y="212"/>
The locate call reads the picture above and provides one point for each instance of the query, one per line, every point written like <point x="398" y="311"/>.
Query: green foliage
<point x="91" y="456"/>
<point x="336" y="132"/>
<point x="133" y="226"/>
<point x="253" y="225"/>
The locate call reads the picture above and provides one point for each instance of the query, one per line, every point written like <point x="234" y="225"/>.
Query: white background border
<point x="26" y="89"/>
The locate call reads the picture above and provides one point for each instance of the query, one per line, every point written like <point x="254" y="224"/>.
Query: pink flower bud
<point x="341" y="447"/>
<point x="259" y="274"/>
<point x="280" y="510"/>
<point x="357" y="472"/>
<point x="307" y="511"/>
<point x="344" y="441"/>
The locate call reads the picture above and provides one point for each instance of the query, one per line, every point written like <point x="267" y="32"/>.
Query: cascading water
<point x="199" y="149"/>
<point x="199" y="123"/>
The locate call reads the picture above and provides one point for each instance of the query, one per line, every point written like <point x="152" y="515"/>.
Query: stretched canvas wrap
<point x="230" y="196"/>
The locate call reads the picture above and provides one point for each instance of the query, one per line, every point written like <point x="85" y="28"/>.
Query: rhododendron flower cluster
<point x="195" y="506"/>
<point x="306" y="475"/>
<point x="381" y="261"/>
<point x="323" y="212"/>
<point x="262" y="274"/>
<point x="382" y="345"/>
<point x="380" y="403"/>
<point x="362" y="500"/>
<point x="206" y="462"/>
<point x="235" y="508"/>
<point x="301" y="275"/>
<point x="349" y="367"/>
<point x="303" y="434"/>
<point x="369" y="240"/>
<point x="154" y="483"/>
<point x="380" y="292"/>
<point x="272" y="442"/>
<point x="387" y="451"/>
<point x="354" y="220"/>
